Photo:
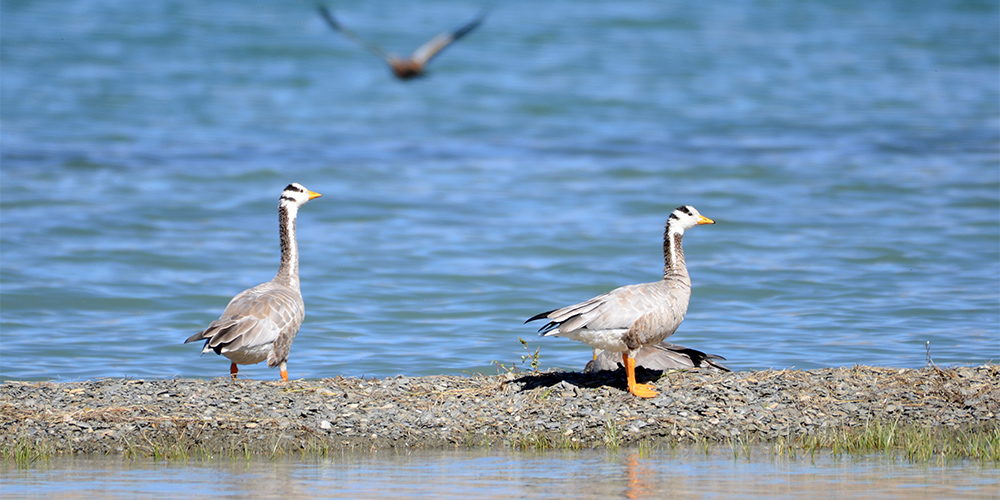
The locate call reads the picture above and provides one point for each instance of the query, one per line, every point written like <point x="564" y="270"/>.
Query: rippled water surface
<point x="848" y="151"/>
<point x="461" y="474"/>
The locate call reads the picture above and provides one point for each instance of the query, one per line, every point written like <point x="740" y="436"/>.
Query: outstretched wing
<point x="335" y="25"/>
<point x="425" y="52"/>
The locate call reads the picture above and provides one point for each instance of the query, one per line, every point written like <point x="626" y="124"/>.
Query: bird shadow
<point x="607" y="378"/>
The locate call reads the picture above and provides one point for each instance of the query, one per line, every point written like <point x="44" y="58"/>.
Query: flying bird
<point x="406" y="68"/>
<point x="261" y="322"/>
<point x="632" y="317"/>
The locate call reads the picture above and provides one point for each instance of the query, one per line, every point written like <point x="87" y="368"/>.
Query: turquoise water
<point x="488" y="475"/>
<point x="848" y="151"/>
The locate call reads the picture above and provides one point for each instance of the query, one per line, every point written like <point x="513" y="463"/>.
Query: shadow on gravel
<point x="614" y="379"/>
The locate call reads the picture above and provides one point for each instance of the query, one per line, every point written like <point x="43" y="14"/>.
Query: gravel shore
<point x="188" y="417"/>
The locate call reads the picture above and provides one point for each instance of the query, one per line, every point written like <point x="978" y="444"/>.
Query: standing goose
<point x="406" y="68"/>
<point x="261" y="322"/>
<point x="629" y="318"/>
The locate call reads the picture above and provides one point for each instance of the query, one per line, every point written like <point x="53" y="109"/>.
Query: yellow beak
<point x="313" y="194"/>
<point x="704" y="220"/>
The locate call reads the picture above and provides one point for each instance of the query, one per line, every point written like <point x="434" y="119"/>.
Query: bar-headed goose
<point x="629" y="318"/>
<point x="261" y="322"/>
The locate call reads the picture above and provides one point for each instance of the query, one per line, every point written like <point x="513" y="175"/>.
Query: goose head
<point x="297" y="195"/>
<point x="685" y="217"/>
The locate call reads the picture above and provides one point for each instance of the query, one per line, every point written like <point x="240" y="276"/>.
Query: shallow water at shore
<point x="679" y="473"/>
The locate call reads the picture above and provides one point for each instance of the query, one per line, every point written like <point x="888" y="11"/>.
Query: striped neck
<point x="288" y="271"/>
<point x="673" y="253"/>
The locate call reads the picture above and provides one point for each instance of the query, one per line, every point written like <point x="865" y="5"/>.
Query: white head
<point x="686" y="217"/>
<point x="296" y="195"/>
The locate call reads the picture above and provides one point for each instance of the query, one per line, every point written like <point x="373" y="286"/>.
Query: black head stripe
<point x="673" y="217"/>
<point x="287" y="198"/>
<point x="685" y="209"/>
<point x="293" y="187"/>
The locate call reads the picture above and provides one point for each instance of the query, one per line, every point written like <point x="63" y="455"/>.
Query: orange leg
<point x="641" y="390"/>
<point x="284" y="371"/>
<point x="233" y="370"/>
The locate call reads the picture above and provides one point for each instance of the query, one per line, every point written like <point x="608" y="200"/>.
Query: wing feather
<point x="432" y="47"/>
<point x="335" y="25"/>
<point x="253" y="318"/>
<point x="652" y="310"/>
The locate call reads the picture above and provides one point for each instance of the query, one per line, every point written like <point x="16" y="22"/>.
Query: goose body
<point x="662" y="357"/>
<point x="631" y="317"/>
<point x="413" y="66"/>
<point x="261" y="322"/>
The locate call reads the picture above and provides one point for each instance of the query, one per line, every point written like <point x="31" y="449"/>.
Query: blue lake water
<point x="849" y="151"/>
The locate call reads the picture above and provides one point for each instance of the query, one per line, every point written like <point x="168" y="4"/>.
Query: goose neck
<point x="673" y="253"/>
<point x="288" y="271"/>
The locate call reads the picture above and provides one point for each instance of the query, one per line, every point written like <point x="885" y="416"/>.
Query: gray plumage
<point x="629" y="318"/>
<point x="261" y="322"/>
<point x="662" y="357"/>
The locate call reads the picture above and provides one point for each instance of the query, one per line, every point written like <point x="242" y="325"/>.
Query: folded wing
<point x="256" y="317"/>
<point x="620" y="309"/>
